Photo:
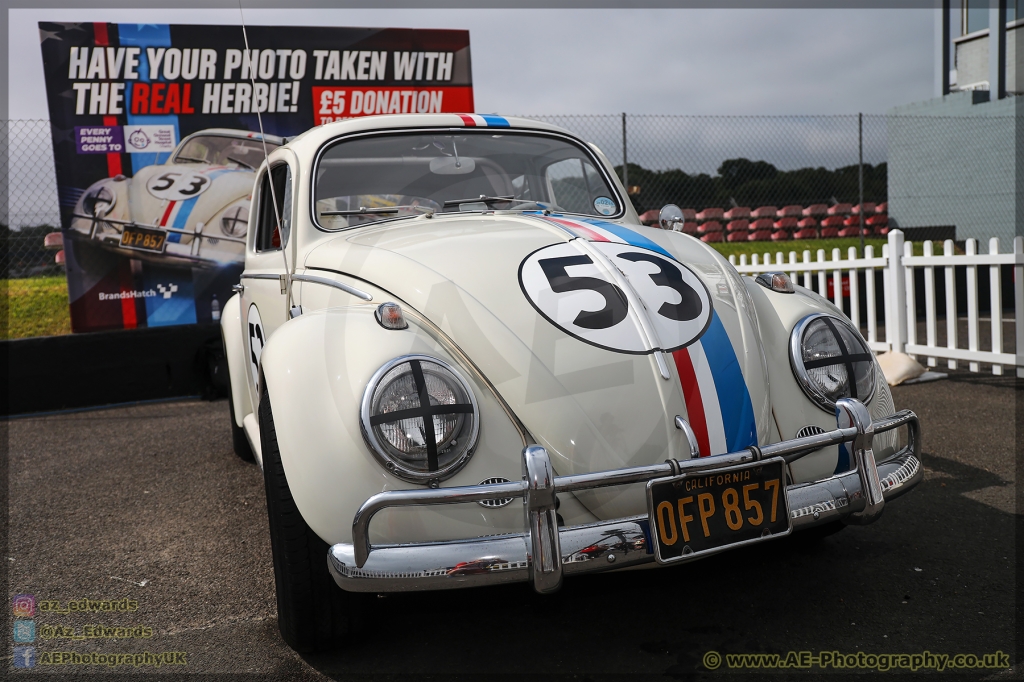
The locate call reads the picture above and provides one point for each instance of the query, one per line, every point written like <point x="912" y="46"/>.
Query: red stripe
<point x="128" y="304"/>
<point x="594" y="235"/>
<point x="99" y="32"/>
<point x="468" y="120"/>
<point x="694" y="402"/>
<point x="167" y="213"/>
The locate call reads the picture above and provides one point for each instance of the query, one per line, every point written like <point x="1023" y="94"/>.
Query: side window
<point x="269" y="236"/>
<point x="576" y="186"/>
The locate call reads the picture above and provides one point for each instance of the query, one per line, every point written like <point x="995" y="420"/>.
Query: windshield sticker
<point x="580" y="295"/>
<point x="604" y="205"/>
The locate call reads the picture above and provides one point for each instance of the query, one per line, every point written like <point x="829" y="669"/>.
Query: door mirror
<point x="671" y="218"/>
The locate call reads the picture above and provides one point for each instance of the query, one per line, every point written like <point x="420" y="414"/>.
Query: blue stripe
<point x="495" y="121"/>
<point x="186" y="208"/>
<point x="629" y="236"/>
<point x="733" y="397"/>
<point x="146" y="35"/>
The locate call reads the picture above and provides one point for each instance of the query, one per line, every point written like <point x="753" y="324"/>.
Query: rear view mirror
<point x="671" y="217"/>
<point x="451" y="165"/>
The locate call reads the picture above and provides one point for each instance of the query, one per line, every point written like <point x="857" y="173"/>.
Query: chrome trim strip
<point x="358" y="293"/>
<point x="260" y="275"/>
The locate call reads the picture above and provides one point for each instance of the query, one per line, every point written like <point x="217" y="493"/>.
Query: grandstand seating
<point x="765" y="223"/>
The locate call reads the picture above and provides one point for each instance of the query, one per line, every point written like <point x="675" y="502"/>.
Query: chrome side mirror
<point x="671" y="218"/>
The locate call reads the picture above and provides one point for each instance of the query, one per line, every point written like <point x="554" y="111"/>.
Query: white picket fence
<point x="899" y="316"/>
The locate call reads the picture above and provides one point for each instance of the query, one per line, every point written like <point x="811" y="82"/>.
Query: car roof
<point x="312" y="139"/>
<point x="234" y="132"/>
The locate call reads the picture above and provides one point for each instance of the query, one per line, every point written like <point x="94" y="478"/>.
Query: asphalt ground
<point x="148" y="503"/>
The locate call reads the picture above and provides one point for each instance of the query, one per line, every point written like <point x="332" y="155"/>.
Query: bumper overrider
<point x="545" y="552"/>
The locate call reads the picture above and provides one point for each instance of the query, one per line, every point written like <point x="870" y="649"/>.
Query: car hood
<point x="225" y="186"/>
<point x="591" y="407"/>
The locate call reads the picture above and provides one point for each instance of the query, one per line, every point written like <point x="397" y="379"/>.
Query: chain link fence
<point x="29" y="209"/>
<point x="696" y="162"/>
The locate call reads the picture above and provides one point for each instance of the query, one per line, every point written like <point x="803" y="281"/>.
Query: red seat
<point x="786" y="223"/>
<point x="852" y="221"/>
<point x="759" y="236"/>
<point x="709" y="226"/>
<point x="827" y="232"/>
<point x="877" y="220"/>
<point x="805" y="223"/>
<point x="736" y="213"/>
<point x="882" y="207"/>
<point x="816" y="210"/>
<point x="791" y="211"/>
<point x="840" y="209"/>
<point x="851" y="231"/>
<point x="764" y="212"/>
<point x="868" y="208"/>
<point x="650" y="218"/>
<point x="712" y="237"/>
<point x="806" y="233"/>
<point x="59" y="258"/>
<point x="780" y="235"/>
<point x="737" y="236"/>
<point x="835" y="221"/>
<point x="881" y="231"/>
<point x="762" y="224"/>
<point x="54" y="240"/>
<point x="690" y="227"/>
<point x="738" y="225"/>
<point x="710" y="214"/>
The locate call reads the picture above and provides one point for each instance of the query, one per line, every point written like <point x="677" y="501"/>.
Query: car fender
<point x="316" y="368"/>
<point x="778" y="313"/>
<point x="234" y="348"/>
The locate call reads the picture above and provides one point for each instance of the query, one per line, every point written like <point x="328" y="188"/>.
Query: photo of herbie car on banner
<point x="156" y="143"/>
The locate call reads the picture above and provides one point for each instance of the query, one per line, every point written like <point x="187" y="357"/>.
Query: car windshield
<point x="220" y="150"/>
<point x="376" y="178"/>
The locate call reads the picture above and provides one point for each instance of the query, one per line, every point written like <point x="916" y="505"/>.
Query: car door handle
<point x="238" y="288"/>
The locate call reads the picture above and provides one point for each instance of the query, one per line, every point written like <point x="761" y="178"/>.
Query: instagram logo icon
<point x="24" y="605"/>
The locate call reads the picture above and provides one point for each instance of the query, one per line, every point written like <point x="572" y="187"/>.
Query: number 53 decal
<point x="177" y="185"/>
<point x="578" y="294"/>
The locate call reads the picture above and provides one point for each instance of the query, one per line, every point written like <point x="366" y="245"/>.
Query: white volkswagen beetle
<point x="191" y="210"/>
<point x="471" y="365"/>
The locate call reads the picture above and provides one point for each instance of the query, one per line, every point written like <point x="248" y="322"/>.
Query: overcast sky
<point x="728" y="62"/>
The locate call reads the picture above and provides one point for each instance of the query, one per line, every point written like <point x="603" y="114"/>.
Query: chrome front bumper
<point x="544" y="553"/>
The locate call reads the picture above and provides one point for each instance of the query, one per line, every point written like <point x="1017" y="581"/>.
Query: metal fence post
<point x="860" y="177"/>
<point x="896" y="295"/>
<point x="625" y="162"/>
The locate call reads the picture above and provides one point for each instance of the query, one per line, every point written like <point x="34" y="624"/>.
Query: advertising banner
<point x="156" y="143"/>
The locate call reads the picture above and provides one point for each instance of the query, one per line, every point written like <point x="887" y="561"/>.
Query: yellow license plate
<point x="142" y="239"/>
<point x="706" y="512"/>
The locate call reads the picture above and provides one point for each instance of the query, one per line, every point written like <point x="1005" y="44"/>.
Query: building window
<point x="975" y="16"/>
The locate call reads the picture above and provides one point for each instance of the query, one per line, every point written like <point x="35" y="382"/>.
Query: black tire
<point x="238" y="439"/>
<point x="312" y="611"/>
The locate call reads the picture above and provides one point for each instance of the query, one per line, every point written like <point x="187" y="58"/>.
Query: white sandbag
<point x="898" y="367"/>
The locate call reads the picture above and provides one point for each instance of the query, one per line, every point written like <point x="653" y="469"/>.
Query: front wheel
<point x="312" y="611"/>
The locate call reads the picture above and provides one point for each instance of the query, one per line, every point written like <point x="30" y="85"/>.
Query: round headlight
<point x="98" y="201"/>
<point x="420" y="418"/>
<point x="235" y="221"/>
<point x="831" y="361"/>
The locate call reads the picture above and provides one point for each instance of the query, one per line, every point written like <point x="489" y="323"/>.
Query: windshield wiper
<point x="241" y="163"/>
<point x="383" y="210"/>
<point x="484" y="199"/>
<point x="190" y="159"/>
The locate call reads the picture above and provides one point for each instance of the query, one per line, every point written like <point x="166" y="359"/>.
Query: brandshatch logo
<point x="164" y="291"/>
<point x="139" y="139"/>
